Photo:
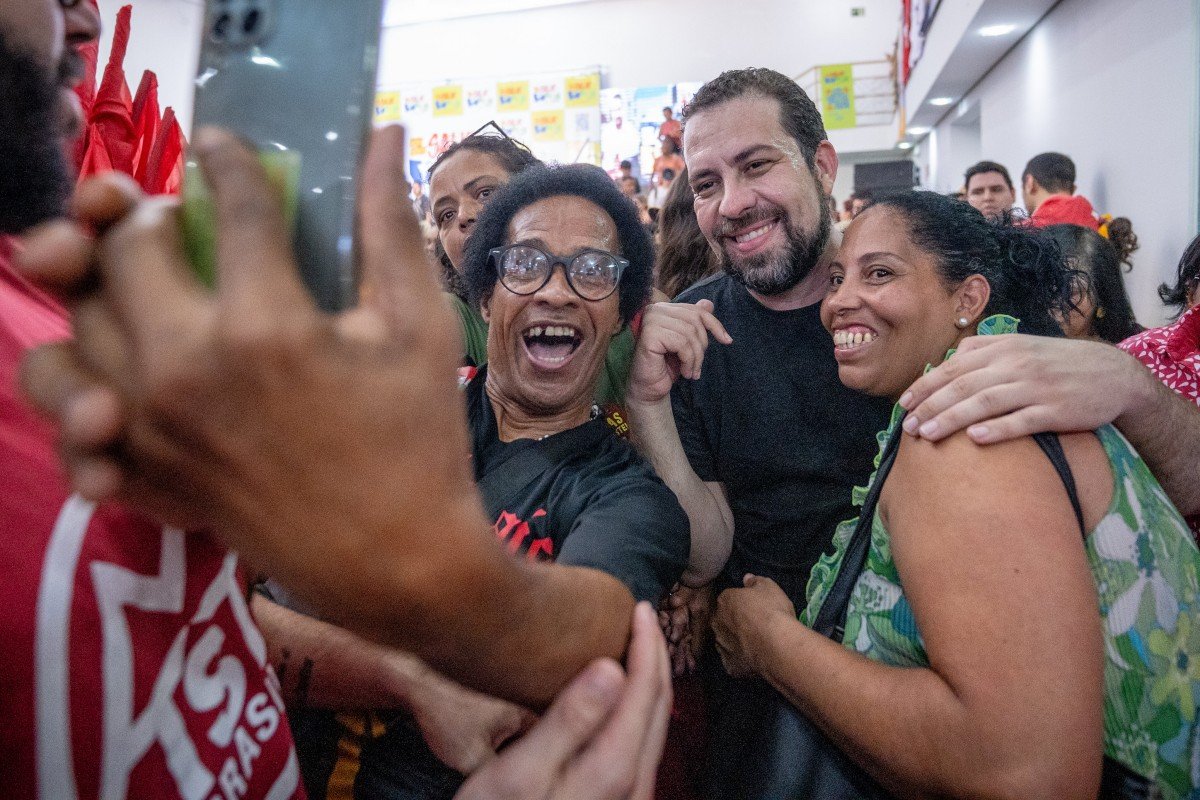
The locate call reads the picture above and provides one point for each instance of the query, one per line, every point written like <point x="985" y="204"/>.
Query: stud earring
<point x="1100" y="312"/>
<point x="963" y="322"/>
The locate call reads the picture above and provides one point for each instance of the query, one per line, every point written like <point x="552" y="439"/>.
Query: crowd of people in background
<point x="702" y="491"/>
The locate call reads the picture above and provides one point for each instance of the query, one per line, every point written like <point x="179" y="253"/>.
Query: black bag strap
<point x="831" y="619"/>
<point x="1052" y="447"/>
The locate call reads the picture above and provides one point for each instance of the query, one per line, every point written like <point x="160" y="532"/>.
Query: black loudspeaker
<point x="885" y="176"/>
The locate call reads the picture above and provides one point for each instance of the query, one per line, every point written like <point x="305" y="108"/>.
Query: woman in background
<point x="1101" y="305"/>
<point x="684" y="255"/>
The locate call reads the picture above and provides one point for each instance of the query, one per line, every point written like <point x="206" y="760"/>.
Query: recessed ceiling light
<point x="941" y="101"/>
<point x="919" y="130"/>
<point x="997" y="30"/>
<point x="905" y="145"/>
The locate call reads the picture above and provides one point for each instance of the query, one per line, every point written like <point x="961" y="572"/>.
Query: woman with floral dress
<point x="1025" y="624"/>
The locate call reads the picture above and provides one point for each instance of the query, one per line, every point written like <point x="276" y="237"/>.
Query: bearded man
<point x="769" y="443"/>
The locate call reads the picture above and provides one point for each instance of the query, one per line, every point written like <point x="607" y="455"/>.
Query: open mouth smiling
<point x="750" y="238"/>
<point x="848" y="339"/>
<point x="551" y="346"/>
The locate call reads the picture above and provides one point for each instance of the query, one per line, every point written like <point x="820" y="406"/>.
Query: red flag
<point x="145" y="123"/>
<point x="112" y="112"/>
<point x="165" y="164"/>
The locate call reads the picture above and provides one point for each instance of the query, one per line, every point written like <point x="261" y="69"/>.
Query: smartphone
<point x="296" y="79"/>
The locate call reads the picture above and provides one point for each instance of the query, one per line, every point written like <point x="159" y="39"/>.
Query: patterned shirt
<point x="1172" y="353"/>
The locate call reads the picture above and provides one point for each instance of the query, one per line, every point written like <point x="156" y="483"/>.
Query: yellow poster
<point x="512" y="96"/>
<point x="548" y="126"/>
<point x="387" y="107"/>
<point x="416" y="147"/>
<point x="583" y="90"/>
<point x="837" y="96"/>
<point x="448" y="101"/>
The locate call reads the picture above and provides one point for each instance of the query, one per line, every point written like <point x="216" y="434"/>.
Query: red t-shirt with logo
<point x="130" y="664"/>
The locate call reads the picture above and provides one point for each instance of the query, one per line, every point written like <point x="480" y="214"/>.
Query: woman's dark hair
<point x="1024" y="266"/>
<point x="513" y="156"/>
<point x="576" y="180"/>
<point x="1188" y="279"/>
<point x="1097" y="264"/>
<point x="684" y="256"/>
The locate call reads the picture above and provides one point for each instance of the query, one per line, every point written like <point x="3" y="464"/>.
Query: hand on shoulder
<point x="998" y="388"/>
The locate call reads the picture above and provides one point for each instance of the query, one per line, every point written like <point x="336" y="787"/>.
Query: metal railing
<point x="875" y="98"/>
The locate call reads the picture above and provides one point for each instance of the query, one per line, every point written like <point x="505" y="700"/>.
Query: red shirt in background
<point x="130" y="665"/>
<point x="1061" y="209"/>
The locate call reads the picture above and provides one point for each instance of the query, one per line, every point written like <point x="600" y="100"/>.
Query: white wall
<point x="644" y="42"/>
<point x="1115" y="84"/>
<point x="165" y="38"/>
<point x="636" y="42"/>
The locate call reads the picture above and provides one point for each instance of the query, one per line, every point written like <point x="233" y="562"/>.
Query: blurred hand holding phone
<point x="296" y="79"/>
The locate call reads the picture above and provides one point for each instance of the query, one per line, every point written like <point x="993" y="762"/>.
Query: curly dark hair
<point x="1187" y="281"/>
<point x="513" y="156"/>
<point x="1097" y="263"/>
<point x="1024" y="266"/>
<point x="577" y="180"/>
<point x="797" y="112"/>
<point x="684" y="255"/>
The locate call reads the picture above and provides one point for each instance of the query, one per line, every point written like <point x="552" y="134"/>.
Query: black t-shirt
<point x="770" y="419"/>
<point x="599" y="505"/>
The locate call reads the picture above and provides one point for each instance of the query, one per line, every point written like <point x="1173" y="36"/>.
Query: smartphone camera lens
<point x="250" y="22"/>
<point x="220" y="30"/>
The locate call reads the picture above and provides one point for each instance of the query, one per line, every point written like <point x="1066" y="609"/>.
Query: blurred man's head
<point x="40" y="114"/>
<point x="629" y="186"/>
<point x="989" y="189"/>
<point x="668" y="113"/>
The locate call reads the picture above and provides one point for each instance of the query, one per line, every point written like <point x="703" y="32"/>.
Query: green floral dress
<point x="1145" y="564"/>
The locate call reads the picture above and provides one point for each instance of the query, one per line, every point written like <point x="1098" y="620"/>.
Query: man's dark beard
<point x="34" y="179"/>
<point x="769" y="274"/>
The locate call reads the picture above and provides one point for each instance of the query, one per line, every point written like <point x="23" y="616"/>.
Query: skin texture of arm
<point x="322" y="666"/>
<point x="331" y="451"/>
<point x="673" y="339"/>
<point x="601" y="740"/>
<point x="1010" y="705"/>
<point x="1001" y="387"/>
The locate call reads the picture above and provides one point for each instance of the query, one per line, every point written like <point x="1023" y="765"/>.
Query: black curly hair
<point x="1187" y="281"/>
<point x="1024" y="266"/>
<point x="1097" y="262"/>
<point x="578" y="180"/>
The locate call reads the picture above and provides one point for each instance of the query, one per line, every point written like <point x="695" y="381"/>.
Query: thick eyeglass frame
<point x="496" y="257"/>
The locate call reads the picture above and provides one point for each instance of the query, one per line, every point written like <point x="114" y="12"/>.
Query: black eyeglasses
<point x="524" y="269"/>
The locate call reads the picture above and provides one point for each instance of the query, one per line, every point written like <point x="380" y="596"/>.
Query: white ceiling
<point x="412" y="12"/>
<point x="957" y="56"/>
